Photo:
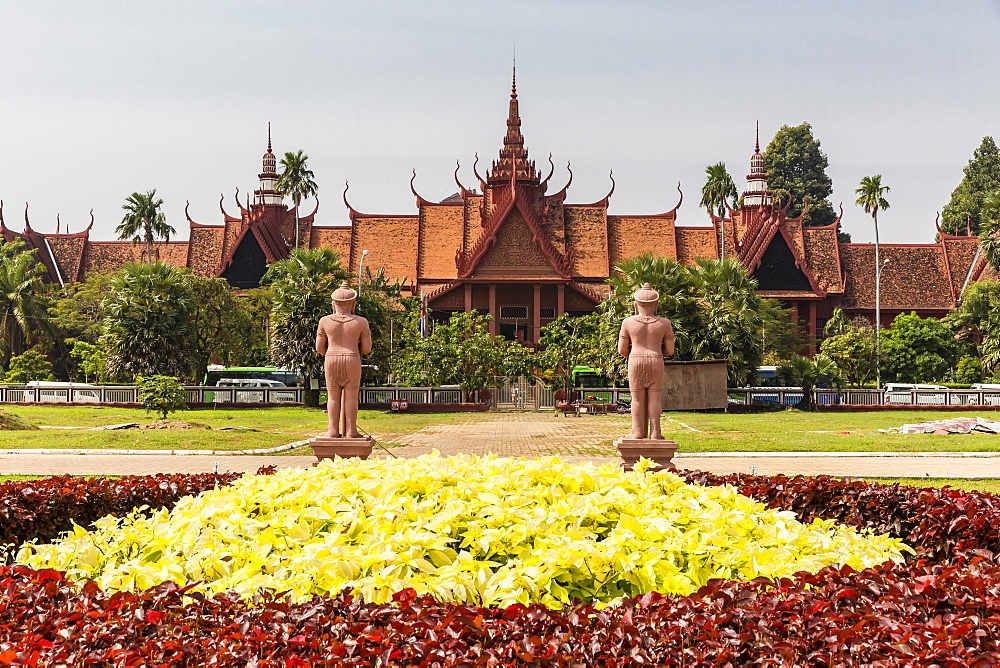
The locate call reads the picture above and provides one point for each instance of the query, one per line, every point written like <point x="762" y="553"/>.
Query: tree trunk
<point x="295" y="200"/>
<point x="311" y="398"/>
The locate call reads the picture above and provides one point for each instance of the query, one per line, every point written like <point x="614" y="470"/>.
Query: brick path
<point x="530" y="435"/>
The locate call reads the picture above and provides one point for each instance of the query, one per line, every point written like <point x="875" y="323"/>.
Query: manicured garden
<point x="940" y="607"/>
<point x="696" y="432"/>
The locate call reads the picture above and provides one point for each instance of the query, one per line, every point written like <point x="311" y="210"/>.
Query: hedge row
<point x="42" y="509"/>
<point x="916" y="615"/>
<point x="941" y="523"/>
<point x="942" y="608"/>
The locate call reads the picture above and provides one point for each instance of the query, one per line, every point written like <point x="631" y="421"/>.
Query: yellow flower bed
<point x="481" y="530"/>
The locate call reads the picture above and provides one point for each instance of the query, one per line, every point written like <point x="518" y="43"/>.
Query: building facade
<point x="519" y="250"/>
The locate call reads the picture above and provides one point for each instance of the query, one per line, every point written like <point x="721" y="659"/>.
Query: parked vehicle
<point x="915" y="393"/>
<point x="59" y="391"/>
<point x="250" y="391"/>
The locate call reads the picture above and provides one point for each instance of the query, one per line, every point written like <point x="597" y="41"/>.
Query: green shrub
<point x="29" y="365"/>
<point x="162" y="394"/>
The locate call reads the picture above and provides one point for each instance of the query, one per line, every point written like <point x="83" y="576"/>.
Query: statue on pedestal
<point x="342" y="338"/>
<point x="646" y="339"/>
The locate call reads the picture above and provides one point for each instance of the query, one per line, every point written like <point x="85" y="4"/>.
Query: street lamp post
<point x="361" y="263"/>
<point x="878" y="321"/>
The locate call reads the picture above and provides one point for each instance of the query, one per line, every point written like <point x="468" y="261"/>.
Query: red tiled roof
<point x="916" y="277"/>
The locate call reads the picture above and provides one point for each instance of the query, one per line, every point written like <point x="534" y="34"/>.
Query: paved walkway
<point x="531" y="435"/>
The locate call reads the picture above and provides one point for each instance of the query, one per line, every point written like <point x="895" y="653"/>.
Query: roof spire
<point x="513" y="162"/>
<point x="270" y="163"/>
<point x="513" y="80"/>
<point x="757" y="144"/>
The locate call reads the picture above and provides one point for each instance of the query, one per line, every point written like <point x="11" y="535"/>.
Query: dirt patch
<point x="11" y="422"/>
<point x="174" y="424"/>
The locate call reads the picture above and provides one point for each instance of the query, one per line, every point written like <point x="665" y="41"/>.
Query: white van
<point x="249" y="390"/>
<point x="55" y="391"/>
<point x="915" y="393"/>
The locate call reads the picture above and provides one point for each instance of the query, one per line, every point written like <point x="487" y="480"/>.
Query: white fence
<point x="778" y="396"/>
<point x="101" y="394"/>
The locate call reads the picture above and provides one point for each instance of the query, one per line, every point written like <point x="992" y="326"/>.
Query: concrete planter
<point x="660" y="450"/>
<point x="328" y="448"/>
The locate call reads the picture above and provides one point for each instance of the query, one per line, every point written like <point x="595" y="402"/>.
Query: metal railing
<point x="127" y="394"/>
<point x="413" y="395"/>
<point x="858" y="397"/>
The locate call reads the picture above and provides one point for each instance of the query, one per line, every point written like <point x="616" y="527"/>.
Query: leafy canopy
<point x="919" y="350"/>
<point x="23" y="299"/>
<point x="302" y="285"/>
<point x="144" y="221"/>
<point x="965" y="210"/>
<point x="28" y="366"/>
<point x="148" y="322"/>
<point x="459" y="352"/>
<point x="713" y="307"/>
<point x="796" y="166"/>
<point x="161" y="394"/>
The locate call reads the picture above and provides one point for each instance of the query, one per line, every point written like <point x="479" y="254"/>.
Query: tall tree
<point x="297" y="181"/>
<point x="460" y="352"/>
<point x="713" y="308"/>
<point x="302" y="284"/>
<point x="148" y="323"/>
<point x="78" y="312"/>
<point x="796" y="166"/>
<point x="569" y="341"/>
<point x="871" y="197"/>
<point x="919" y="350"/>
<point x="718" y="191"/>
<point x="982" y="177"/>
<point x="220" y="325"/>
<point x="23" y="300"/>
<point x="144" y="221"/>
<point x="382" y="304"/>
<point x="976" y="320"/>
<point x="808" y="374"/>
<point x="989" y="228"/>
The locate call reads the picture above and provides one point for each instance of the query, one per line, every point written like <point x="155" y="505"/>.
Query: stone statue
<point x="645" y="339"/>
<point x="342" y="338"/>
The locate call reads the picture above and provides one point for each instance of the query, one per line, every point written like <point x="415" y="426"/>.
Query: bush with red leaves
<point x="940" y="609"/>
<point x="939" y="523"/>
<point x="43" y="509"/>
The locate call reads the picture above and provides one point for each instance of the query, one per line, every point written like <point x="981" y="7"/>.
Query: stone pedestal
<point x="325" y="447"/>
<point x="660" y="450"/>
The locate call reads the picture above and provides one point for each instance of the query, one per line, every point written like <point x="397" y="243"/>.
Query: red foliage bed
<point x="942" y="608"/>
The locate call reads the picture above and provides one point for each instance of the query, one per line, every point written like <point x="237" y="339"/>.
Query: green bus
<point x="217" y="372"/>
<point x="585" y="376"/>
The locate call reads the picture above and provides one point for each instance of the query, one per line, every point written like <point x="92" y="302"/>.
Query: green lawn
<point x="818" y="432"/>
<point x="276" y="426"/>
<point x="991" y="485"/>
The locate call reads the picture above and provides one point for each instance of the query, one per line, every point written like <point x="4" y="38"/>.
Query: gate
<point x="521" y="394"/>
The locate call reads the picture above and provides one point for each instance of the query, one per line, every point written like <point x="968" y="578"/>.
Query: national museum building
<point x="517" y="249"/>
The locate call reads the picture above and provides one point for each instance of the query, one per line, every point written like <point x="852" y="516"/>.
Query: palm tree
<point x="296" y="180"/>
<point x="302" y="284"/>
<point x="148" y="328"/>
<point x="989" y="229"/>
<point x="143" y="215"/>
<point x="807" y="374"/>
<point x="718" y="190"/>
<point x="23" y="314"/>
<point x="871" y="197"/>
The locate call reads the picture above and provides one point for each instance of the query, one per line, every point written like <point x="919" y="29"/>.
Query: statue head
<point x="646" y="298"/>
<point x="343" y="298"/>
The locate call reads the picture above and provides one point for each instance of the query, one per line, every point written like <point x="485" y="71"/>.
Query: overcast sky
<point x="100" y="99"/>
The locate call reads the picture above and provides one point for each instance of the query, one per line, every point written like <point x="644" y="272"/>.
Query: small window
<point x="547" y="313"/>
<point x="514" y="312"/>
